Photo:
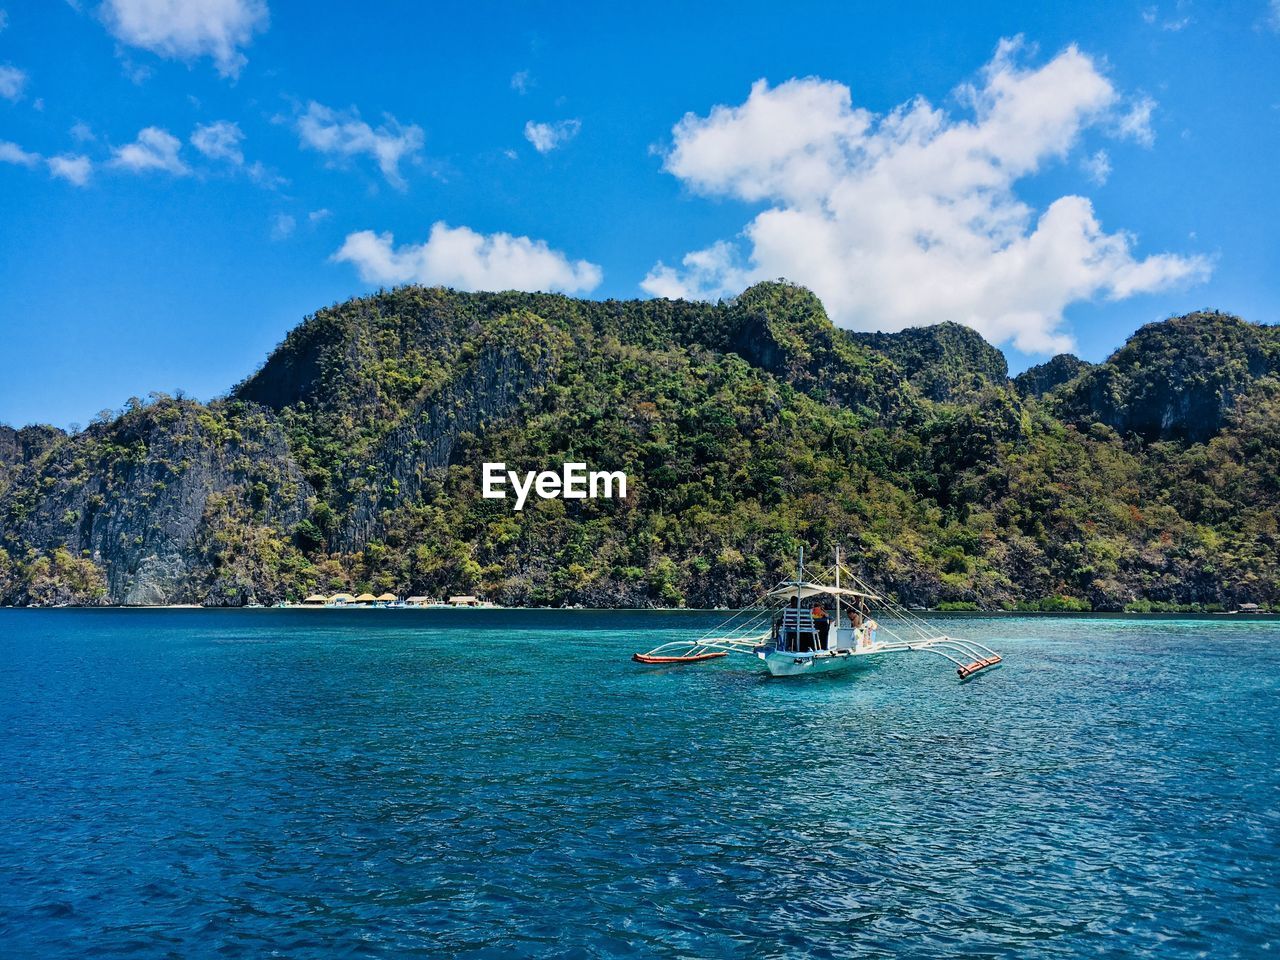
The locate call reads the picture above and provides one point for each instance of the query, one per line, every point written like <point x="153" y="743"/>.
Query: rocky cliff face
<point x="785" y="331"/>
<point x="145" y="499"/>
<point x="512" y="362"/>
<point x="19" y="448"/>
<point x="1175" y="380"/>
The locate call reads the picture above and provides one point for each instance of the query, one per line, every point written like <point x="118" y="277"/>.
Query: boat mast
<point x="837" y="593"/>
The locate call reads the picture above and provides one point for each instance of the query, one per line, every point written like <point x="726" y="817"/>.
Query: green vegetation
<point x="351" y="460"/>
<point x="52" y="578"/>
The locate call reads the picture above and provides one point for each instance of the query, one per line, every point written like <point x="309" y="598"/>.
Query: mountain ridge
<point x="350" y="460"/>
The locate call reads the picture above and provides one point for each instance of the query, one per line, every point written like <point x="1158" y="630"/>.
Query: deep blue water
<point x="497" y="783"/>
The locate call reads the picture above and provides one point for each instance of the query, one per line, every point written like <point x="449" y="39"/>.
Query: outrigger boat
<point x="790" y="629"/>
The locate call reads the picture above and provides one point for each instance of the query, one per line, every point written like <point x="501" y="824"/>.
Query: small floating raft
<point x="690" y="658"/>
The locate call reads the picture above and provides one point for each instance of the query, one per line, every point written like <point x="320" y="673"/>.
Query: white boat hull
<point x="781" y="663"/>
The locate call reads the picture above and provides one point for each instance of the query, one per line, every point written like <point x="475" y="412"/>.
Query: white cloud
<point x="219" y="141"/>
<point x="1274" y="19"/>
<point x="521" y="81"/>
<point x="717" y="269"/>
<point x="74" y="168"/>
<point x="12" y="153"/>
<point x="319" y="216"/>
<point x="155" y="149"/>
<point x="1097" y="166"/>
<point x="911" y="217"/>
<point x="187" y="29"/>
<point x="1179" y="21"/>
<point x="264" y="176"/>
<point x="462" y="258"/>
<point x="12" y="82"/>
<point x="343" y="135"/>
<point x="1135" y="123"/>
<point x="282" y="226"/>
<point x="81" y="132"/>
<point x="4" y="20"/>
<point x="545" y="137"/>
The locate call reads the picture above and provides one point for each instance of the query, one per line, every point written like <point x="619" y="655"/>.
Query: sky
<point x="183" y="181"/>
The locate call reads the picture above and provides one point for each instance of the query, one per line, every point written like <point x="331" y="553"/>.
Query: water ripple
<point x="490" y="784"/>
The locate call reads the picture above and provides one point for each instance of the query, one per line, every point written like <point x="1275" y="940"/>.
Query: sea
<point x="506" y="783"/>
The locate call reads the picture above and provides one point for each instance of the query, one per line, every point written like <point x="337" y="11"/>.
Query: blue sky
<point x="182" y="182"/>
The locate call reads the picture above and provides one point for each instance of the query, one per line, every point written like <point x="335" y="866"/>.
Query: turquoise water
<point x="497" y="783"/>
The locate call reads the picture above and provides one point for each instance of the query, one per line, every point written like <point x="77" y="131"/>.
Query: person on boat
<point x="822" y="623"/>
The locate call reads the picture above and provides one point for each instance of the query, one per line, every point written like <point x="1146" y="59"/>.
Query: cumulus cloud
<point x="715" y="270"/>
<point x="74" y="168"/>
<point x="545" y="137"/>
<point x="189" y="29"/>
<point x="12" y="153"/>
<point x="155" y="149"/>
<point x="219" y="141"/>
<point x="911" y="217"/>
<point x="462" y="258"/>
<point x="12" y="82"/>
<point x="342" y="135"/>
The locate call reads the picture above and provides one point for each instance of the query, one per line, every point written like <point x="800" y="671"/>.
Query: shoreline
<point x="957" y="614"/>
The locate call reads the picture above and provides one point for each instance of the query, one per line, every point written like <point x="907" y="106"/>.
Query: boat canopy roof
<point x="805" y="589"/>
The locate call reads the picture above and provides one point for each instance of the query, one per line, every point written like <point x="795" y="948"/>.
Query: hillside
<point x="351" y="460"/>
<point x="943" y="362"/>
<point x="1175" y="380"/>
<point x="1038" y="380"/>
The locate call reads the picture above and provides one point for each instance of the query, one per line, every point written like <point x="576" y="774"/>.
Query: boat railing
<point x="969" y="656"/>
<point x="797" y="625"/>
